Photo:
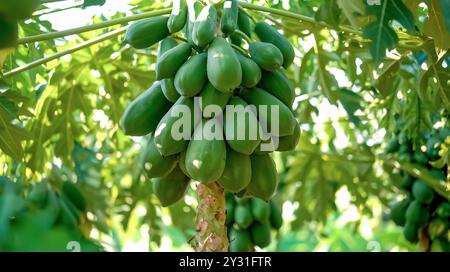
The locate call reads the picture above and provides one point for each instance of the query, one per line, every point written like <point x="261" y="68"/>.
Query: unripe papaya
<point x="169" y="62"/>
<point x="420" y="158"/>
<point x="411" y="232"/>
<point x="229" y="20"/>
<point x="206" y="154"/>
<point x="244" y="23"/>
<point x="260" y="233"/>
<point x="229" y="207"/>
<point x="164" y="140"/>
<point x="237" y="173"/>
<point x="191" y="77"/>
<point x="224" y="69"/>
<point x="264" y="177"/>
<point x="392" y="146"/>
<point x="204" y="29"/>
<point x="279" y="86"/>
<point x="171" y="188"/>
<point x="194" y="9"/>
<point x="437" y="227"/>
<point x="443" y="209"/>
<point x="178" y="16"/>
<point x="169" y="90"/>
<point x="211" y="96"/>
<point x="182" y="162"/>
<point x="269" y="34"/>
<point x="143" y="114"/>
<point x="241" y="126"/>
<point x="407" y="181"/>
<point x="146" y="32"/>
<point x="9" y="33"/>
<point x="156" y="165"/>
<point x="266" y="55"/>
<point x="240" y="241"/>
<point x="18" y="9"/>
<point x="165" y="45"/>
<point x="74" y="195"/>
<point x="243" y="216"/>
<point x="260" y="210"/>
<point x="269" y="142"/>
<point x="276" y="218"/>
<point x="398" y="212"/>
<point x="417" y="214"/>
<point x="287" y="143"/>
<point x="422" y="192"/>
<point x="286" y="120"/>
<point x="251" y="73"/>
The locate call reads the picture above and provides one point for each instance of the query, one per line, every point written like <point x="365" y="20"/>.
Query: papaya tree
<point x="95" y="139"/>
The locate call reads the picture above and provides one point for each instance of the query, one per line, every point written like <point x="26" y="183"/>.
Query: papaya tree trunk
<point x="211" y="233"/>
<point x="424" y="240"/>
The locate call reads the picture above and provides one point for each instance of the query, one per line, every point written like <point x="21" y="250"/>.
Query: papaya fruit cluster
<point x="10" y="13"/>
<point x="423" y="210"/>
<point x="44" y="220"/>
<point x="212" y="63"/>
<point x="250" y="222"/>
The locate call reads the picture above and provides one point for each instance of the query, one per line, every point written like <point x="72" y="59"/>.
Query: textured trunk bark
<point x="211" y="233"/>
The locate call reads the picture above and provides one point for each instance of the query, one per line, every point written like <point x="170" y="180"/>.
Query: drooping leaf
<point x="435" y="26"/>
<point x="352" y="9"/>
<point x="329" y="13"/>
<point x="383" y="38"/>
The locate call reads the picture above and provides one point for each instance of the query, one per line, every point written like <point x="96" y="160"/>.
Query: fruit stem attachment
<point x="241" y="50"/>
<point x="211" y="233"/>
<point x="78" y="30"/>
<point x="70" y="50"/>
<point x="243" y="35"/>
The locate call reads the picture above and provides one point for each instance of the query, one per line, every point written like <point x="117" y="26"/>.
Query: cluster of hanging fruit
<point x="208" y="51"/>
<point x="423" y="211"/>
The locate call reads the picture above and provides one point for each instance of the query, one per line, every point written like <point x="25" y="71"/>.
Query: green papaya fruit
<point x="279" y="86"/>
<point x="437" y="227"/>
<point x="398" y="212"/>
<point x="9" y="33"/>
<point x="391" y="146"/>
<point x="433" y="148"/>
<point x="235" y="39"/>
<point x="169" y="63"/>
<point x="244" y="23"/>
<point x="229" y="207"/>
<point x="269" y="34"/>
<point x="420" y="158"/>
<point x="165" y="45"/>
<point x="264" y="177"/>
<point x="287" y="143"/>
<point x="241" y="126"/>
<point x="260" y="210"/>
<point x="229" y="20"/>
<point x="411" y="232"/>
<point x="143" y="114"/>
<point x="211" y="96"/>
<point x="437" y="174"/>
<point x="276" y="217"/>
<point x="286" y="120"/>
<point x="443" y="209"/>
<point x="422" y="192"/>
<point x="191" y="77"/>
<point x="240" y="241"/>
<point x="39" y="194"/>
<point x="156" y="165"/>
<point x="146" y="32"/>
<point x="251" y="73"/>
<point x="74" y="195"/>
<point x="18" y="9"/>
<point x="194" y="9"/>
<point x="243" y="216"/>
<point x="407" y="181"/>
<point x="168" y="144"/>
<point x="204" y="29"/>
<point x="206" y="152"/>
<point x="417" y="214"/>
<point x="182" y="163"/>
<point x="169" y="90"/>
<point x="237" y="173"/>
<point x="171" y="188"/>
<point x="260" y="233"/>
<point x="270" y="142"/>
<point x="266" y="55"/>
<point x="178" y="16"/>
<point x="224" y="69"/>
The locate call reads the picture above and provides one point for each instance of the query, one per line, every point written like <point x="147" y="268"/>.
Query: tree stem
<point x="211" y="233"/>
<point x="78" y="30"/>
